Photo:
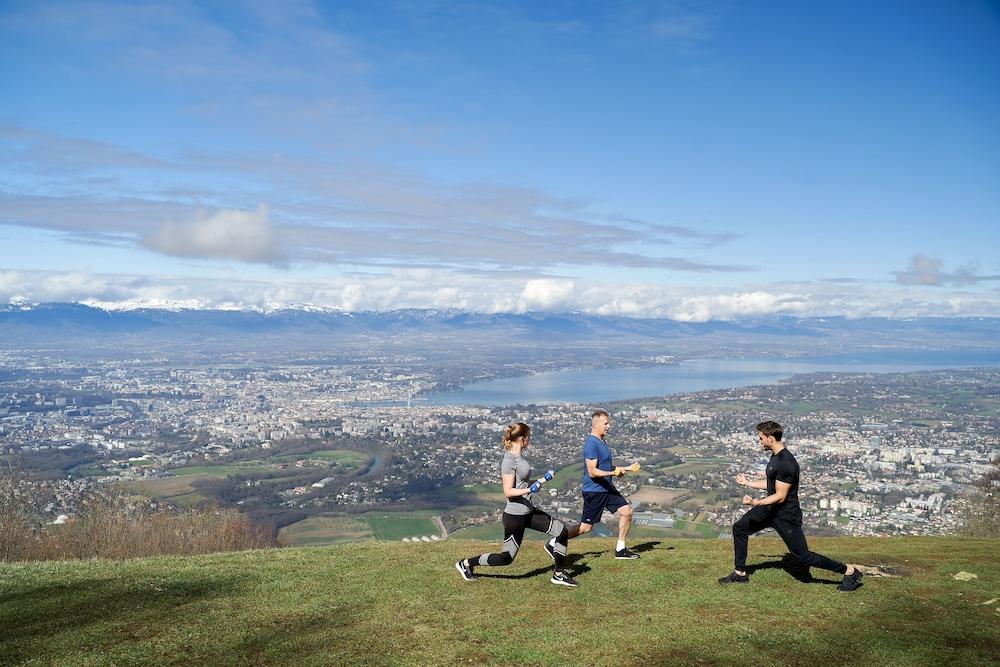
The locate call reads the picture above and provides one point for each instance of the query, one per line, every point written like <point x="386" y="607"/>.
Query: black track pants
<point x="759" y="518"/>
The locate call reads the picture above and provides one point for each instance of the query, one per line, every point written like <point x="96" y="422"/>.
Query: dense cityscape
<point x="881" y="454"/>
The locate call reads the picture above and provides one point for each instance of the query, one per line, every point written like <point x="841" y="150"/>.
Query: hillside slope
<point x="401" y="603"/>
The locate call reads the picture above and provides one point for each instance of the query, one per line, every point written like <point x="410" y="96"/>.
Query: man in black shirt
<point x="779" y="510"/>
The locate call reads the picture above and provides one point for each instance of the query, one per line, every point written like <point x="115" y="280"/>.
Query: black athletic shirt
<point x="784" y="468"/>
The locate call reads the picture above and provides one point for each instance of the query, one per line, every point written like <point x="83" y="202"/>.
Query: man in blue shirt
<point x="599" y="493"/>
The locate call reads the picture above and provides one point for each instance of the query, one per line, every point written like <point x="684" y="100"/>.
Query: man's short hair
<point x="599" y="413"/>
<point x="771" y="428"/>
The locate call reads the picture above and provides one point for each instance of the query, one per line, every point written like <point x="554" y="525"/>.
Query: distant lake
<point x="595" y="386"/>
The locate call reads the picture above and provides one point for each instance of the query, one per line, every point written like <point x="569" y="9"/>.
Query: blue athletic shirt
<point x="595" y="448"/>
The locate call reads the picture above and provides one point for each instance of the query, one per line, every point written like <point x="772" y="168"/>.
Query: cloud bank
<point x="437" y="289"/>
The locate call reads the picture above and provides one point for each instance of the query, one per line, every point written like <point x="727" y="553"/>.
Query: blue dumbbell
<point x="538" y="483"/>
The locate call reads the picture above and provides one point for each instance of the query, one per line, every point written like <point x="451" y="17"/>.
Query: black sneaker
<point x="851" y="582"/>
<point x="626" y="554"/>
<point x="563" y="579"/>
<point x="735" y="578"/>
<point x="550" y="549"/>
<point x="465" y="571"/>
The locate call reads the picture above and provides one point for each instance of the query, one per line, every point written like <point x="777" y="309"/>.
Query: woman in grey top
<point x="521" y="513"/>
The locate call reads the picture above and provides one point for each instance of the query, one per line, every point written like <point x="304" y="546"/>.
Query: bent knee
<point x="807" y="558"/>
<point x="586" y="527"/>
<point x="626" y="511"/>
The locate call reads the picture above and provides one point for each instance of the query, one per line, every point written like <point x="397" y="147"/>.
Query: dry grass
<point x="114" y="523"/>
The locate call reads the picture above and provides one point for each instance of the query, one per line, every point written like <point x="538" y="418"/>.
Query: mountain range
<point x="25" y="325"/>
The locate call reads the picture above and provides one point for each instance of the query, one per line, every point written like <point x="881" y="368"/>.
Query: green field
<point x="682" y="451"/>
<point x="347" y="458"/>
<point x="188" y="499"/>
<point x="170" y="488"/>
<point x="476" y="494"/>
<point x="321" y="530"/>
<point x="398" y="527"/>
<point x="988" y="406"/>
<point x="702" y="500"/>
<point x="567" y="478"/>
<point x="689" y="468"/>
<point x="696" y="527"/>
<point x="344" y="457"/>
<point x="428" y="514"/>
<point x="221" y="469"/>
<point x="404" y="604"/>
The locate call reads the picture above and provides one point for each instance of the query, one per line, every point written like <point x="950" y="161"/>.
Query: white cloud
<point x="501" y="294"/>
<point x="230" y="234"/>
<point x="740" y="305"/>
<point x="546" y="294"/>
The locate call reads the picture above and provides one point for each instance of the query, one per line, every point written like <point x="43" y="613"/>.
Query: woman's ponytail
<point x="515" y="432"/>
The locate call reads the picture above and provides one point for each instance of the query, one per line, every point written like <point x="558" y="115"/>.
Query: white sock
<point x="620" y="545"/>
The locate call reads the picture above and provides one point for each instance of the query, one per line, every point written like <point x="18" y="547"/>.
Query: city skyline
<point x="676" y="160"/>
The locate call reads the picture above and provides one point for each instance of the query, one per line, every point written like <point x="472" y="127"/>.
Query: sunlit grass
<point x="404" y="603"/>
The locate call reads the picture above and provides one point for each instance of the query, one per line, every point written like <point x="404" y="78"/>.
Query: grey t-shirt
<point x="521" y="470"/>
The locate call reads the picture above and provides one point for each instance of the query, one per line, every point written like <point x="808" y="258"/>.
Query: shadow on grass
<point x="575" y="564"/>
<point x="789" y="564"/>
<point x="638" y="548"/>
<point x="39" y="615"/>
<point x="289" y="639"/>
<point x="572" y="568"/>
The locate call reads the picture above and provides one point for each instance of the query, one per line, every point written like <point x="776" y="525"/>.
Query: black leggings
<point x="513" y="533"/>
<point x="759" y="518"/>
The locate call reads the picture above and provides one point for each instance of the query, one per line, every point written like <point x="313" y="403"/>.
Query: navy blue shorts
<point x="594" y="504"/>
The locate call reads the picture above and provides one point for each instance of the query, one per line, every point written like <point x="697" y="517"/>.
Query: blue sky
<point x="686" y="160"/>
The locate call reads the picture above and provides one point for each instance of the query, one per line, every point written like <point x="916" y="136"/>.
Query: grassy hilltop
<point x="402" y="603"/>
